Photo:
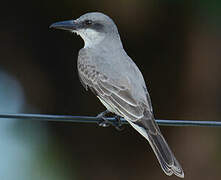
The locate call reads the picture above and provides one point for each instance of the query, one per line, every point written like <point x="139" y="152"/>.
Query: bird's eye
<point x="88" y="22"/>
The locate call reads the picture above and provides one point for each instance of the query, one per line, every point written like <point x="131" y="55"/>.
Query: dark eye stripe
<point x="98" y="26"/>
<point x="88" y="22"/>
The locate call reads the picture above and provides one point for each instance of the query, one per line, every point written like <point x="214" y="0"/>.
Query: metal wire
<point x="90" y="119"/>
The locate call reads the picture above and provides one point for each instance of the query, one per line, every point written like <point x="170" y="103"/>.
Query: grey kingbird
<point x="106" y="69"/>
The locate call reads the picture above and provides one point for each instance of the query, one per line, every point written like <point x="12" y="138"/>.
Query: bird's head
<point x="92" y="27"/>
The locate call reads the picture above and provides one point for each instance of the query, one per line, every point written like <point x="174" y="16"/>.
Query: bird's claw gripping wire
<point x="118" y="124"/>
<point x="104" y="122"/>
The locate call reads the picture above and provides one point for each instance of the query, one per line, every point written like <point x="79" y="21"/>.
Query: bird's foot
<point x="104" y="122"/>
<point x="118" y="124"/>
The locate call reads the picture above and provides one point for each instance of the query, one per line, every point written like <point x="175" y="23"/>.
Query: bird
<point x="105" y="68"/>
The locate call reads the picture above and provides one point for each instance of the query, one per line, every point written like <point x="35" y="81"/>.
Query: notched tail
<point x="167" y="160"/>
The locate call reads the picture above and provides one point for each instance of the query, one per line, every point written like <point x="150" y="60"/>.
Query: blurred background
<point x="177" y="46"/>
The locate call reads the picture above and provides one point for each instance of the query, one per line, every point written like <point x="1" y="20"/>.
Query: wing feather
<point x="116" y="95"/>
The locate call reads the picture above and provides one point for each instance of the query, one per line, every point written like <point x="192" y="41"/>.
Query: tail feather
<point x="167" y="160"/>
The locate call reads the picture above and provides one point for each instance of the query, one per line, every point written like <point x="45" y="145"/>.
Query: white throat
<point x="90" y="37"/>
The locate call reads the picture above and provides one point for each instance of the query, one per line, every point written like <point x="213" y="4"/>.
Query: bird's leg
<point x="103" y="122"/>
<point x="118" y="123"/>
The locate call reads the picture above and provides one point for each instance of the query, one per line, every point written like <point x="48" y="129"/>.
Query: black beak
<point x="65" y="25"/>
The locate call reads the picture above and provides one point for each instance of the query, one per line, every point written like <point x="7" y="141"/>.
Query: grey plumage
<point x="106" y="69"/>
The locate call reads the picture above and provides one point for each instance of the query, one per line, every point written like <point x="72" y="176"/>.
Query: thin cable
<point x="89" y="119"/>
